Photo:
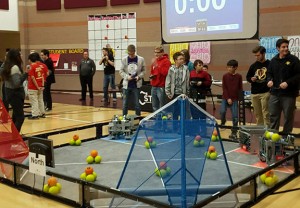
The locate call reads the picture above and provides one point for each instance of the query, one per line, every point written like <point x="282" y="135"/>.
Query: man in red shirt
<point x="159" y="70"/>
<point x="199" y="81"/>
<point x="232" y="84"/>
<point x="36" y="80"/>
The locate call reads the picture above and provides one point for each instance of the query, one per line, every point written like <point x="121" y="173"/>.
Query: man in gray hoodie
<point x="132" y="71"/>
<point x="87" y="69"/>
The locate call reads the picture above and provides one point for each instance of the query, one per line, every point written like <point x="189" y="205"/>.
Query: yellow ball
<point x="263" y="178"/>
<point x="269" y="181"/>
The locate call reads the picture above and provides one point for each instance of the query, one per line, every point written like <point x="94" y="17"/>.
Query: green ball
<point x="196" y="143"/>
<point x="153" y="144"/>
<point x="263" y="178"/>
<point x="89" y="159"/>
<point x="275" y="137"/>
<point x="98" y="159"/>
<point x="201" y="142"/>
<point x="54" y="190"/>
<point x="90" y="178"/>
<point x="214" y="138"/>
<point x="83" y="176"/>
<point x="147" y="144"/>
<point x="46" y="188"/>
<point x="168" y="170"/>
<point x="95" y="175"/>
<point x="72" y="142"/>
<point x="213" y="155"/>
<point x="162" y="173"/>
<point x="58" y="186"/>
<point x="269" y="135"/>
<point x="156" y="171"/>
<point x="269" y="181"/>
<point x="78" y="142"/>
<point x="207" y="154"/>
<point x="164" y="118"/>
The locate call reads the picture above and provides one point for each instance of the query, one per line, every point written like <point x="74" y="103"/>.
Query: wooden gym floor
<point x="70" y="116"/>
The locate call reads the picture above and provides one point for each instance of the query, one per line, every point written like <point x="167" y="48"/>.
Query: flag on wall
<point x="270" y="44"/>
<point x="177" y="47"/>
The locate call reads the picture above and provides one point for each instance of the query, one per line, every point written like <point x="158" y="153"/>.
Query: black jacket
<point x="286" y="70"/>
<point x="258" y="70"/>
<point x="51" y="77"/>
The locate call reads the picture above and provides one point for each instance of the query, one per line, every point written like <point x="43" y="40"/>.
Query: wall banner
<point x="270" y="44"/>
<point x="200" y="50"/>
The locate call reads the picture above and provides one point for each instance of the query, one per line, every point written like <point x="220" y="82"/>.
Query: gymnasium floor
<point x="69" y="116"/>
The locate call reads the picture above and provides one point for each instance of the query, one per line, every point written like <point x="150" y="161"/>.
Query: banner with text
<point x="270" y="44"/>
<point x="200" y="50"/>
<point x="177" y="48"/>
<point x="66" y="60"/>
<point x="294" y="45"/>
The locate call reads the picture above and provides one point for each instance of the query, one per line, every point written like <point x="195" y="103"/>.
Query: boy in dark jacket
<point x="283" y="78"/>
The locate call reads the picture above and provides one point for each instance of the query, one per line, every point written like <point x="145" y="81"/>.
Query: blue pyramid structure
<point x="172" y="159"/>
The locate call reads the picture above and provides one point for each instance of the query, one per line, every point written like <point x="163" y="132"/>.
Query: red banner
<point x="150" y="1"/>
<point x="123" y="2"/>
<point x="70" y="4"/>
<point x="4" y="4"/>
<point x="48" y="4"/>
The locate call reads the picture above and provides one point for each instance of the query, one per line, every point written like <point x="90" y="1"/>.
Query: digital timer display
<point x="193" y="20"/>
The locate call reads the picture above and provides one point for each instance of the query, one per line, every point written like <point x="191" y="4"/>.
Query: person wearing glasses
<point x="159" y="70"/>
<point x="232" y="85"/>
<point x="283" y="77"/>
<point x="132" y="71"/>
<point x="260" y="95"/>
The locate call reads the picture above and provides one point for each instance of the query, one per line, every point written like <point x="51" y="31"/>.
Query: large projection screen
<point x="201" y="20"/>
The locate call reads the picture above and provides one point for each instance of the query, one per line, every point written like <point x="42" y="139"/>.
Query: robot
<point x="270" y="151"/>
<point x="122" y="127"/>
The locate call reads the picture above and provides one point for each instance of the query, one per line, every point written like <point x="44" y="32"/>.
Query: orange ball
<point x="215" y="132"/>
<point x="75" y="137"/>
<point x="94" y="153"/>
<point x="270" y="173"/>
<point x="89" y="170"/>
<point x="211" y="149"/>
<point x="52" y="181"/>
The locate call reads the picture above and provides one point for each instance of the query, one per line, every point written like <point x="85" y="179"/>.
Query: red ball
<point x="150" y="139"/>
<point x="198" y="138"/>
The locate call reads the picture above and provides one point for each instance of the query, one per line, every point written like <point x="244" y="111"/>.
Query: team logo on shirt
<point x="287" y="63"/>
<point x="261" y="74"/>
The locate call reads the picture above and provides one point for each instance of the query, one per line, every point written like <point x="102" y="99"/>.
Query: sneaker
<point x="81" y="99"/>
<point x="43" y="115"/>
<point x="114" y="100"/>
<point x="48" y="109"/>
<point x="33" y="117"/>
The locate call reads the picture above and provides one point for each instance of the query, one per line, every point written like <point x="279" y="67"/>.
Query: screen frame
<point x="213" y="37"/>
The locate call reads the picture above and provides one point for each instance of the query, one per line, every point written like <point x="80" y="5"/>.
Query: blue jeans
<point x="135" y="92"/>
<point x="109" y="79"/>
<point x="234" y="113"/>
<point x="158" y="97"/>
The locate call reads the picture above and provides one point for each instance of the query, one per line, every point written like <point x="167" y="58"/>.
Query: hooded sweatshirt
<point x="286" y="70"/>
<point x="159" y="71"/>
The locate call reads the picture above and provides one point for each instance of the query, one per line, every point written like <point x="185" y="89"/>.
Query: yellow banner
<point x="176" y="48"/>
